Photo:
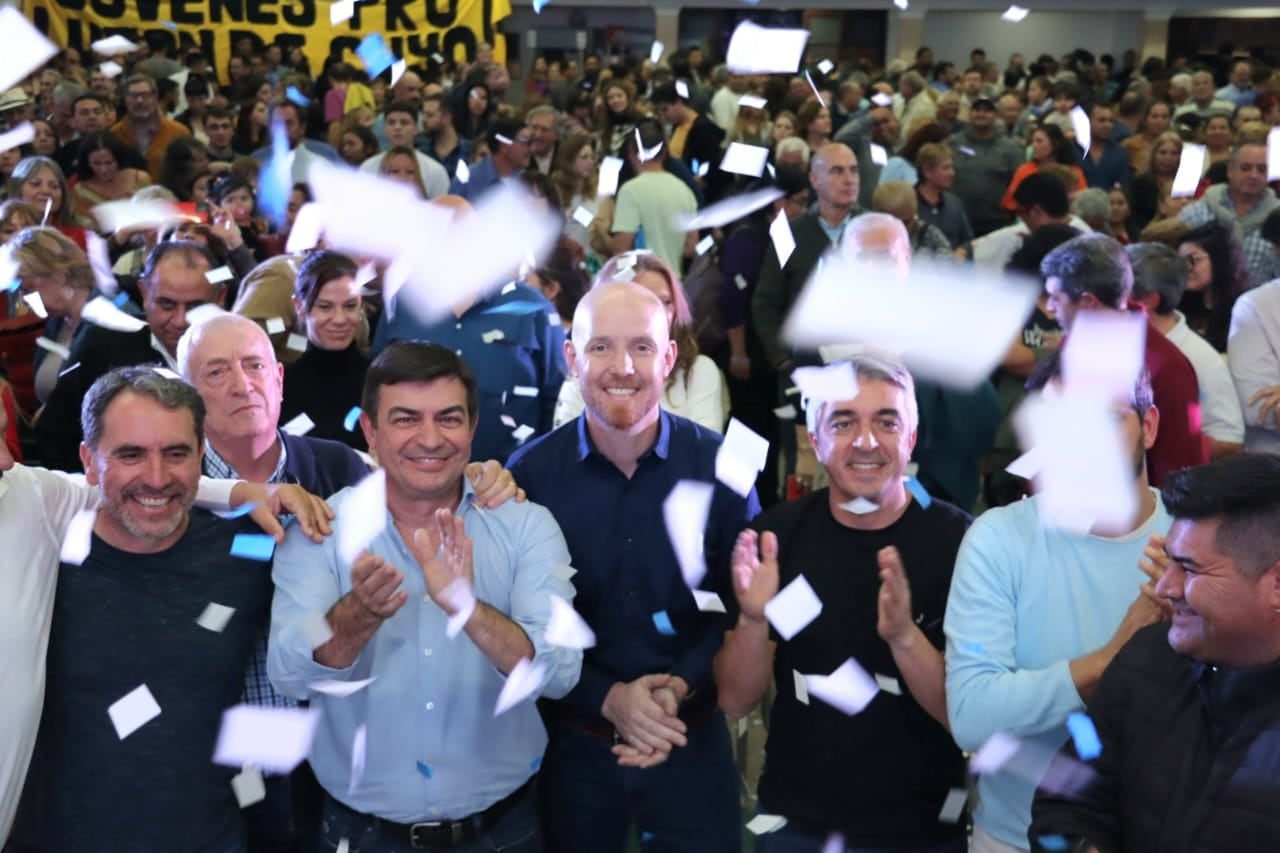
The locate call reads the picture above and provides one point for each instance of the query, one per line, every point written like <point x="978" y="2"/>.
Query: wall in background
<point x="953" y="34"/>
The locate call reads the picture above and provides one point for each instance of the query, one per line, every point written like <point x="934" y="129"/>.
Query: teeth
<point x="154" y="503"/>
<point x="620" y="392"/>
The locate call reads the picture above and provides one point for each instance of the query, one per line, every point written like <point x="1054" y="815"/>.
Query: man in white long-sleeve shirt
<point x="1033" y="618"/>
<point x="1253" y="354"/>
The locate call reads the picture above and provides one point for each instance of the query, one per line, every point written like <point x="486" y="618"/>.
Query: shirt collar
<point x="220" y="469"/>
<point x="169" y="361"/>
<point x="661" y="448"/>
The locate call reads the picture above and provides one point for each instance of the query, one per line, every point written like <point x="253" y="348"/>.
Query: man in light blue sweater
<point x="1035" y="615"/>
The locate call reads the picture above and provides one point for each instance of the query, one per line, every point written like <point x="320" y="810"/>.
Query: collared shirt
<point x="434" y="751"/>
<point x="169" y="361"/>
<point x="257" y="686"/>
<point x="519" y="368"/>
<point x="627" y="569"/>
<point x="1259" y="254"/>
<point x="1221" y="417"/>
<point x="835" y="233"/>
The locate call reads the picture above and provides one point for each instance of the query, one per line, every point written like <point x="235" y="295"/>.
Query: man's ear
<point x="669" y="359"/>
<point x="570" y="357"/>
<point x="86" y="459"/>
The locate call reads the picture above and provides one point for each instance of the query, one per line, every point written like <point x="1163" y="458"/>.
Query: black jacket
<point x="1190" y="758"/>
<point x="779" y="285"/>
<point x="58" y="433"/>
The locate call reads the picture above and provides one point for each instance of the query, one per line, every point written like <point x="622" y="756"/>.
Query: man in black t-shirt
<point x="879" y="771"/>
<point x="133" y="620"/>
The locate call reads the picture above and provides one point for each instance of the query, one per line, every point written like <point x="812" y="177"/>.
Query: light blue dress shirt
<point x="434" y="749"/>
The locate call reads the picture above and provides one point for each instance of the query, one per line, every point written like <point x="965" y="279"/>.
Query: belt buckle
<point x="455" y="833"/>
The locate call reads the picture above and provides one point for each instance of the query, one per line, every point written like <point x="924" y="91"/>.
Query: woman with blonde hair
<point x="575" y="177"/>
<point x="1139" y="146"/>
<point x="50" y="265"/>
<point x="750" y="127"/>
<point x="1149" y="192"/>
<point x="401" y="165"/>
<point x="784" y="125"/>
<point x="695" y="388"/>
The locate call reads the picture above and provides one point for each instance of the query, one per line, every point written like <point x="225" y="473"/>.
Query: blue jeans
<point x="687" y="804"/>
<point x="789" y="840"/>
<point x="516" y="832"/>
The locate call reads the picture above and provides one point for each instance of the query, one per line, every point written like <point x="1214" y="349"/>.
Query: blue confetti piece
<point x="276" y="179"/>
<point x="297" y="97"/>
<point x="536" y="763"/>
<point x="253" y="546"/>
<point x="424" y="769"/>
<point x="663" y="623"/>
<point x="517" y="307"/>
<point x="971" y="648"/>
<point x="240" y="511"/>
<point x="120" y="299"/>
<point x="375" y="54"/>
<point x="169" y="25"/>
<point x="1052" y="842"/>
<point x="1088" y="744"/>
<point x="13" y="285"/>
<point x="539" y="5"/>
<point x="352" y="418"/>
<point x="646" y="837"/>
<point x="918" y="492"/>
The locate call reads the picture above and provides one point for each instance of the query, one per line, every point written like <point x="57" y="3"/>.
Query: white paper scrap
<point x="765" y="823"/>
<point x="114" y="216"/>
<point x="335" y="687"/>
<point x="859" y="506"/>
<point x="522" y="683"/>
<point x="607" y="183"/>
<point x="793" y="608"/>
<point x="301" y="425"/>
<point x="20" y="135"/>
<point x="297" y="343"/>
<point x="315" y="629"/>
<point x="566" y="628"/>
<point x="741" y="457"/>
<point x="1014" y="14"/>
<point x="830" y="383"/>
<point x="784" y="242"/>
<point x="743" y="159"/>
<point x="364" y="518"/>
<point x="583" y="217"/>
<point x="219" y="275"/>
<point x="249" y="787"/>
<point x="849" y="689"/>
<point x="112" y="46"/>
<point x="888" y="684"/>
<point x="54" y="347"/>
<point x="1083" y="129"/>
<point x="754" y="102"/>
<point x="1190" y="170"/>
<point x="25" y="47"/>
<point x="995" y="753"/>
<point x="655" y="52"/>
<point x="760" y="50"/>
<point x="36" y="304"/>
<point x="133" y="711"/>
<point x="273" y="739"/>
<point x="728" y="211"/>
<point x="685" y="512"/>
<point x="341" y="10"/>
<point x="79" y="537"/>
<point x="1105" y="353"/>
<point x="215" y="617"/>
<point x="802" y="689"/>
<point x="275" y="325"/>
<point x="953" y="806"/>
<point x="708" y="602"/>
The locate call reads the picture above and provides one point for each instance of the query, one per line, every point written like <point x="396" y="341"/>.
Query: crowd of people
<point x="513" y="473"/>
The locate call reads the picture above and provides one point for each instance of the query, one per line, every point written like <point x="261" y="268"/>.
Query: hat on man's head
<point x="983" y="103"/>
<point x="14" y="98"/>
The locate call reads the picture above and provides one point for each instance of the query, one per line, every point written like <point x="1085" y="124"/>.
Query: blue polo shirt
<point x="626" y="567"/>
<point x="519" y="368"/>
<point x="1112" y="169"/>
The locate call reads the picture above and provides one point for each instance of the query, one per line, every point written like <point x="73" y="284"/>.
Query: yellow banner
<point x="413" y="29"/>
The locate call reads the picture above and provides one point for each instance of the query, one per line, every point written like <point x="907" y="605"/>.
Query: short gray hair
<point x="66" y="92"/>
<point x="196" y="331"/>
<point x="791" y="143"/>
<point x="1182" y="81"/>
<point x="1092" y="204"/>
<point x="173" y="394"/>
<point x="872" y="364"/>
<point x="1158" y="269"/>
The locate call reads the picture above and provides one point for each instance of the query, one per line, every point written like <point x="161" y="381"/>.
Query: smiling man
<point x="173" y="282"/>
<point x="439" y="610"/>
<point x="639" y="739"/>
<point x="1188" y="715"/>
<point x="126" y="620"/>
<point x="854" y="543"/>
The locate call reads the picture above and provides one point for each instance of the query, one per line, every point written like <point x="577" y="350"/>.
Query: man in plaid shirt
<point x="1244" y="201"/>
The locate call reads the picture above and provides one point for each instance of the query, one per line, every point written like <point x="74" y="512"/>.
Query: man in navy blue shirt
<point x="640" y="738"/>
<point x="1106" y="165"/>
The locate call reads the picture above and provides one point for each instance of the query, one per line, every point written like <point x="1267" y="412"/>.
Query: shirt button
<point x="459" y="326"/>
<point x="431" y="706"/>
<point x="459" y="352"/>
<point x="427" y="653"/>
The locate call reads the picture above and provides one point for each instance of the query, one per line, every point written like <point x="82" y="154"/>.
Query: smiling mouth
<point x="621" y="392"/>
<point x="153" y="502"/>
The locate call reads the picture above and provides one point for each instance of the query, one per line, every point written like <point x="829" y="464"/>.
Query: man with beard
<point x="1035" y="616"/>
<point x="640" y="739"/>
<point x="129" y="635"/>
<point x="854" y="543"/>
<point x="1093" y="273"/>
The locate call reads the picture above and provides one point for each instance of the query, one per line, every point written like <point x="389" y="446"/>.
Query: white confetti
<point x="20" y="135"/>
<point x="831" y="383"/>
<point x="115" y="216"/>
<point x="759" y="50"/>
<point x="297" y="343"/>
<point x="583" y="216"/>
<point x="954" y="805"/>
<point x="524" y="681"/>
<point x="523" y="433"/>
<point x="607" y="183"/>
<point x="685" y="512"/>
<point x="994" y="754"/>
<point x="36" y="304"/>
<point x="765" y="823"/>
<point x="341" y="689"/>
<point x="802" y="689"/>
<point x="793" y="608"/>
<point x="492" y="335"/>
<point x="364" y="517"/>
<point x="1190" y="170"/>
<point x="859" y="506"/>
<point x="215" y="617"/>
<point x="784" y="242"/>
<point x="219" y="275"/>
<point x="341" y="10"/>
<point x="566" y="628"/>
<point x="301" y="425"/>
<point x="54" y="347"/>
<point x="655" y="52"/>
<point x="1083" y="129"/>
<point x="743" y="159"/>
<point x="79" y="537"/>
<point x="825" y="66"/>
<point x="728" y="211"/>
<point x="708" y="602"/>
<point x="849" y="689"/>
<point x="25" y="47"/>
<point x="113" y="46"/>
<point x="741" y="457"/>
<point x="1014" y="14"/>
<point x="249" y="787"/>
<point x="133" y="711"/>
<point x="275" y="325"/>
<point x="273" y="739"/>
<point x="888" y="684"/>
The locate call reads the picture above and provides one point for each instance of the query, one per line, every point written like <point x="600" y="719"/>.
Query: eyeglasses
<point x="1196" y="258"/>
<point x="140" y="95"/>
<point x="523" y="140"/>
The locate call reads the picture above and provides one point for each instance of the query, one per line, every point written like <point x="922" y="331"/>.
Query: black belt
<point x="445" y="833"/>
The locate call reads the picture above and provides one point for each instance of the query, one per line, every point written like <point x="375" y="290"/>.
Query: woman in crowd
<point x="473" y="111"/>
<point x="575" y="177"/>
<point x="813" y="125"/>
<point x="1218" y="276"/>
<point x="52" y="266"/>
<point x="236" y="196"/>
<point x="45" y="141"/>
<point x="1216" y="135"/>
<point x="20" y="327"/>
<point x="902" y="166"/>
<point x="1118" y="218"/>
<point x="102" y="177"/>
<point x="39" y="182"/>
<point x="9" y="160"/>
<point x="357" y="144"/>
<point x="935" y="165"/>
<point x="325" y="383"/>
<point x="620" y="116"/>
<point x="1048" y="145"/>
<point x="751" y="127"/>
<point x="401" y="165"/>
<point x="14" y="216"/>
<point x="1139" y="146"/>
<point x="695" y="389"/>
<point x="251" y="127"/>
<point x="1149" y="190"/>
<point x="784" y="126"/>
<point x="185" y="158"/>
<point x="580" y="119"/>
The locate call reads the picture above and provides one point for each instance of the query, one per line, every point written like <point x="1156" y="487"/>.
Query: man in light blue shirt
<point x="1034" y="616"/>
<point x="418" y="758"/>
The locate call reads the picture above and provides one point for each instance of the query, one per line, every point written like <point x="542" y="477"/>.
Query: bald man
<point x="640" y="739"/>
